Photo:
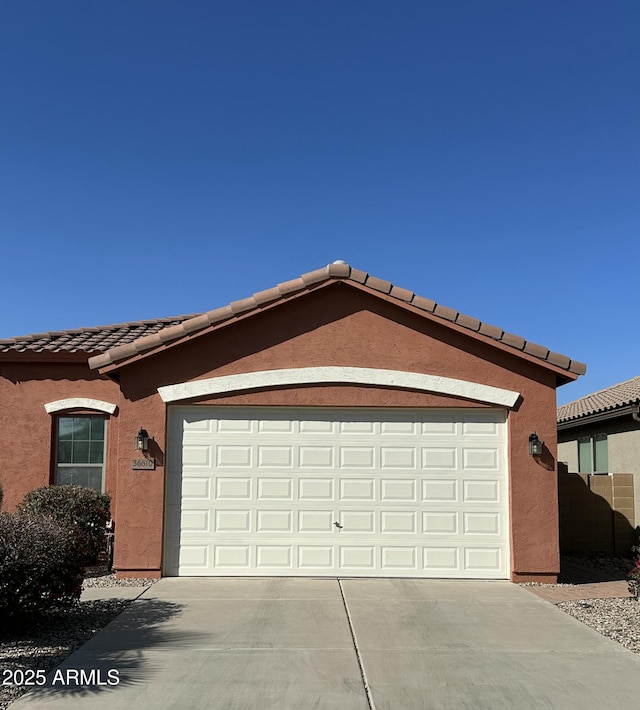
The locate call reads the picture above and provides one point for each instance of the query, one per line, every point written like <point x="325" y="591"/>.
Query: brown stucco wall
<point x="342" y="326"/>
<point x="26" y="430"/>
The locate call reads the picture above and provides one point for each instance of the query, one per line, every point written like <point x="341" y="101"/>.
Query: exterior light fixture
<point x="142" y="440"/>
<point x="535" y="445"/>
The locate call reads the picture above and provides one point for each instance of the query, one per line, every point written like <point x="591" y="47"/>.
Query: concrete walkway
<point x="298" y="644"/>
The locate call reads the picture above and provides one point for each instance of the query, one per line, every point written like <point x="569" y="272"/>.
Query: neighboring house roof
<point x="96" y="339"/>
<point x="119" y="343"/>
<point x="613" y="398"/>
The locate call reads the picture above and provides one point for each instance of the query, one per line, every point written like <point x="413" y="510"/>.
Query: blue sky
<point x="160" y="158"/>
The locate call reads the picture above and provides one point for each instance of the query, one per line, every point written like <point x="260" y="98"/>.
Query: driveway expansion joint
<point x="365" y="682"/>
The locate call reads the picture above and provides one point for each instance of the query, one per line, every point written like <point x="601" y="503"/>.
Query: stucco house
<point x="600" y="433"/>
<point x="334" y="425"/>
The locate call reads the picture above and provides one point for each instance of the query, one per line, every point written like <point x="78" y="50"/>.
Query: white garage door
<point x="337" y="492"/>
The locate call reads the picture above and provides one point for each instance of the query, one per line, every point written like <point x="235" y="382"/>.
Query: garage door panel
<point x="275" y="457"/>
<point x="230" y="488"/>
<point x="234" y="456"/>
<point x="316" y="521"/>
<point x="441" y="559"/>
<point x="482" y="559"/>
<point x="275" y="488"/>
<point x="357" y="489"/>
<point x="274" y="556"/>
<point x="479" y="491"/>
<point x="357" y="557"/>
<point x="196" y="521"/>
<point x="316" y="457"/>
<point x="356" y="522"/>
<point x="401" y="521"/>
<point x="440" y="522"/>
<point x="398" y="457"/>
<point x="310" y="489"/>
<point x="486" y="459"/>
<point x="235" y="521"/>
<point x="230" y="557"/>
<point x="259" y="490"/>
<point x="439" y="459"/>
<point x="316" y="557"/>
<point x="318" y="426"/>
<point x="399" y="558"/>
<point x="398" y="490"/>
<point x="440" y="490"/>
<point x="196" y="487"/>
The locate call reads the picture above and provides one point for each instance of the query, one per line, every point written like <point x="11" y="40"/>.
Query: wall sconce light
<point x="535" y="445"/>
<point x="142" y="440"/>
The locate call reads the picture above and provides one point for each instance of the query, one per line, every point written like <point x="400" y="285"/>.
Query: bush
<point x="40" y="566"/>
<point x="83" y="510"/>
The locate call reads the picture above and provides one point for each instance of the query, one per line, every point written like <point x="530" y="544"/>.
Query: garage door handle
<point x="337" y="524"/>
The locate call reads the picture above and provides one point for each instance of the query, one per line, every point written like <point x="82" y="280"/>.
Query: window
<point x="593" y="455"/>
<point x="80" y="446"/>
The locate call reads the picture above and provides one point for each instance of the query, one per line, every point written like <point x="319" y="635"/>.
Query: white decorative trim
<point x="339" y="375"/>
<point x="79" y="403"/>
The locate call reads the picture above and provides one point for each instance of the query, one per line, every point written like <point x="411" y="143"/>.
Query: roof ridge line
<point x="335" y="271"/>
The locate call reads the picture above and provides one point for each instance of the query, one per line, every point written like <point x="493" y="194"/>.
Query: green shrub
<point x="83" y="510"/>
<point x="40" y="566"/>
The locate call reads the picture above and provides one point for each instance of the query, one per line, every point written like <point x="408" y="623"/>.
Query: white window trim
<point x="339" y="375"/>
<point x="80" y="403"/>
<point x="57" y="465"/>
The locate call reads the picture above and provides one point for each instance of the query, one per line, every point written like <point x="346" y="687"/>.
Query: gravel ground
<point x="46" y="643"/>
<point x="619" y="619"/>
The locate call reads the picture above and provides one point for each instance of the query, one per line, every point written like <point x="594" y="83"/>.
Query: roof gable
<point x="190" y="328"/>
<point x="113" y="346"/>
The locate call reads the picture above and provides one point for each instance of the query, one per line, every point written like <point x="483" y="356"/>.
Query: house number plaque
<point x="143" y="464"/>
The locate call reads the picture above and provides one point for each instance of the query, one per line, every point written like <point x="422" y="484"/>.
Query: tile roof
<point x="336" y="271"/>
<point x="96" y="339"/>
<point x="117" y="343"/>
<point x="620" y="395"/>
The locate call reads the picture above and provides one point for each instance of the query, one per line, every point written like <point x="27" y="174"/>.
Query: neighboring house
<point x="335" y="424"/>
<point x="600" y="433"/>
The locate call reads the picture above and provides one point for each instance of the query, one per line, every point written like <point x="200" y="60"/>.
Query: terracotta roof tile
<point x="491" y="331"/>
<point x="339" y="270"/>
<point x="578" y="367"/>
<point x="94" y="339"/>
<point x="243" y="305"/>
<point x="378" y="284"/>
<point x="560" y="360"/>
<point x="424" y="304"/>
<point x="620" y="395"/>
<point x="291" y="286"/>
<point x="536" y="350"/>
<point x="515" y="341"/>
<point x="116" y="343"/>
<point x="446" y="313"/>
<point x="358" y="276"/>
<point x="314" y="277"/>
<point x="268" y="295"/>
<point x="468" y="322"/>
<point x="402" y="293"/>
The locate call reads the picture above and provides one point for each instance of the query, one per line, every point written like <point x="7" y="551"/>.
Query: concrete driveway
<point x="354" y="644"/>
